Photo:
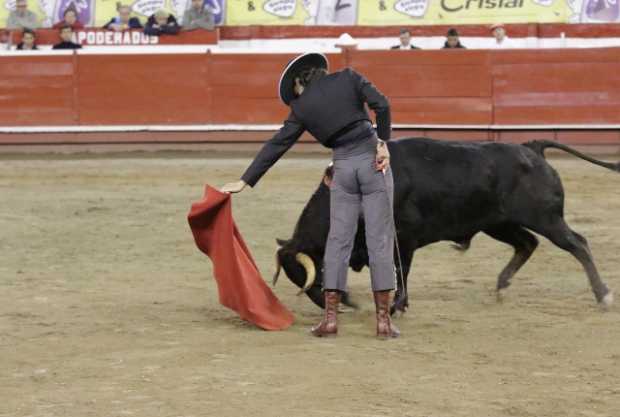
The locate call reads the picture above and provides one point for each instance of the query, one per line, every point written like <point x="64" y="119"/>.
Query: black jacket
<point x="410" y="47"/>
<point x="171" y="28"/>
<point x="20" y="46"/>
<point x="327" y="107"/>
<point x="134" y="23"/>
<point x="67" y="45"/>
<point x="458" y="46"/>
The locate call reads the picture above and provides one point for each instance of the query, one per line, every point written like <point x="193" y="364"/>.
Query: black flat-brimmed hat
<point x="311" y="59"/>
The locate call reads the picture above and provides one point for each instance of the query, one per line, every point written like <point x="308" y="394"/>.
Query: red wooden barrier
<point x="244" y="87"/>
<point x="35" y="91"/>
<point x="142" y="89"/>
<point x="431" y="87"/>
<point x="556" y="86"/>
<point x="543" y="30"/>
<point x="95" y="36"/>
<point x="539" y="87"/>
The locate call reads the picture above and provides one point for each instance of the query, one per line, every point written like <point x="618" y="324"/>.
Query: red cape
<point x="241" y="287"/>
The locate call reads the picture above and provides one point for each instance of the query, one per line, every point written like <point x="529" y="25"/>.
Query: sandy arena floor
<point x="108" y="309"/>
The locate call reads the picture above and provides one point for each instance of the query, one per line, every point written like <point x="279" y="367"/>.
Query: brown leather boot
<point x="385" y="328"/>
<point x="328" y="326"/>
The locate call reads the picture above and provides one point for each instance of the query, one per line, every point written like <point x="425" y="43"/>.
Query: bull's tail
<point x="539" y="147"/>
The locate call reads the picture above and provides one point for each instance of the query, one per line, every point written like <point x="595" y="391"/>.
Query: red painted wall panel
<point x="244" y="87"/>
<point x="433" y="110"/>
<point x="557" y="93"/>
<point x="430" y="87"/>
<point x="37" y="91"/>
<point x="143" y="89"/>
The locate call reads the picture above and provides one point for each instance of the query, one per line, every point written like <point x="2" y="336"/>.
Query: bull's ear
<point x="282" y="242"/>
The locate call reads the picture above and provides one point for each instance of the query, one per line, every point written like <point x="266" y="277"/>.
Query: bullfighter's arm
<point x="377" y="102"/>
<point x="273" y="150"/>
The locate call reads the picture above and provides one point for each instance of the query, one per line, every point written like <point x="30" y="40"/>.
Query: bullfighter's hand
<point x="234" y="187"/>
<point x="383" y="156"/>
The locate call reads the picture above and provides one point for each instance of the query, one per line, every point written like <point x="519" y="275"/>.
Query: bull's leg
<point x="561" y="235"/>
<point x="401" y="297"/>
<point x="524" y="244"/>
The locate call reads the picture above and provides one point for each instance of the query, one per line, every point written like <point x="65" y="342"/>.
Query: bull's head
<point x="303" y="269"/>
<point x="301" y="257"/>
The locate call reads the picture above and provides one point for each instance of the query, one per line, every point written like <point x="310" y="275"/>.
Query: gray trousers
<point x="358" y="188"/>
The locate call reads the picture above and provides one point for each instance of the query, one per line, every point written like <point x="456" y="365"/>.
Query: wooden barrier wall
<point x="462" y="87"/>
<point x="194" y="37"/>
<point x="518" y="30"/>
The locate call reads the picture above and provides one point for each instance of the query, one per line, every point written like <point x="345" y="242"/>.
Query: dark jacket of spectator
<point x="75" y="26"/>
<point x="170" y="28"/>
<point x="410" y="47"/>
<point x="67" y="45"/>
<point x="134" y="23"/>
<point x="20" y="47"/>
<point x="458" y="45"/>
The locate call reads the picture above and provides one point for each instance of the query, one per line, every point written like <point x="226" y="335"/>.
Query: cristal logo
<point x="546" y="3"/>
<point x="412" y="8"/>
<point x="458" y="5"/>
<point x="280" y="8"/>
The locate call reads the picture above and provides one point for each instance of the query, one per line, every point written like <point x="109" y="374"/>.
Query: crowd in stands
<point x="453" y="41"/>
<point x="160" y="23"/>
<point x="163" y="22"/>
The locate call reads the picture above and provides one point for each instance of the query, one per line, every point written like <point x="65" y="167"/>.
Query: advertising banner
<point x="95" y="13"/>
<point x="264" y="12"/>
<point x="460" y="12"/>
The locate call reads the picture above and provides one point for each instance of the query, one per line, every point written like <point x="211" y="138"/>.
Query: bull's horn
<point x="278" y="268"/>
<point x="308" y="265"/>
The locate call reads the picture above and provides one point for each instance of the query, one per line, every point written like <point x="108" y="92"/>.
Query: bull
<point x="451" y="191"/>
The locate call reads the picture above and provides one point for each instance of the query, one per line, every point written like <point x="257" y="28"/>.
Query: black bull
<point x="452" y="191"/>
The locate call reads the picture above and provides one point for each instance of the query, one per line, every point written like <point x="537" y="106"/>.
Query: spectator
<point x="123" y="21"/>
<point x="162" y="23"/>
<point x="66" y="35"/>
<point x="501" y="39"/>
<point x="198" y="17"/>
<point x="28" y="41"/>
<point x="452" y="40"/>
<point x="405" y="40"/>
<point x="5" y="40"/>
<point x="21" y="17"/>
<point x="70" y="18"/>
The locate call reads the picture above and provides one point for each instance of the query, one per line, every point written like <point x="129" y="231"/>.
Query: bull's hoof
<point x="502" y="294"/>
<point x="607" y="301"/>
<point x="400" y="304"/>
<point x="399" y="313"/>
<point x="347" y="301"/>
<point x="398" y="310"/>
